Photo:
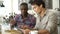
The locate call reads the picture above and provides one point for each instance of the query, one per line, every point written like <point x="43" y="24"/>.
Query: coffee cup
<point x="33" y="32"/>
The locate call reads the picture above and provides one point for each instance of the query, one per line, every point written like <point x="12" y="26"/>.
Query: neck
<point x="24" y="15"/>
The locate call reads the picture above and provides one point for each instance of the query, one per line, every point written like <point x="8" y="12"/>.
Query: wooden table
<point x="12" y="32"/>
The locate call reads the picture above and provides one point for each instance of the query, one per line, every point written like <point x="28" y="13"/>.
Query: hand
<point x="26" y="31"/>
<point x="12" y="21"/>
<point x="26" y="27"/>
<point x="22" y="26"/>
<point x="43" y="32"/>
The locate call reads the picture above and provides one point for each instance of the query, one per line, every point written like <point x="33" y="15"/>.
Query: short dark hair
<point x="24" y="4"/>
<point x="37" y="2"/>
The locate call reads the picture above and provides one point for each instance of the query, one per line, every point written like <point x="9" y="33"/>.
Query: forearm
<point x="43" y="31"/>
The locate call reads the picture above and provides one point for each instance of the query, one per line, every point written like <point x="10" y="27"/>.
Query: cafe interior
<point x="10" y="8"/>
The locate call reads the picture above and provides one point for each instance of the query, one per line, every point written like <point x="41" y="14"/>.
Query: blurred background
<point x="11" y="7"/>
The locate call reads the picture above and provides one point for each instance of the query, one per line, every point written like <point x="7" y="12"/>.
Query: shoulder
<point x="31" y="16"/>
<point x="51" y="13"/>
<point x="18" y="15"/>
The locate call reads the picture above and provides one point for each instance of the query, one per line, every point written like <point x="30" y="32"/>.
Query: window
<point x="27" y="1"/>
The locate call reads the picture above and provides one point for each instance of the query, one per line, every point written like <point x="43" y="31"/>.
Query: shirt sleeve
<point x="33" y="22"/>
<point x="37" y="23"/>
<point x="52" y="23"/>
<point x="16" y="18"/>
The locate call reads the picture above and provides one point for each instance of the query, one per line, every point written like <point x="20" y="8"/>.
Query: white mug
<point x="33" y="32"/>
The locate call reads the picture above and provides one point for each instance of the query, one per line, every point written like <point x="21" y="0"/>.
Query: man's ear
<point x="41" y="6"/>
